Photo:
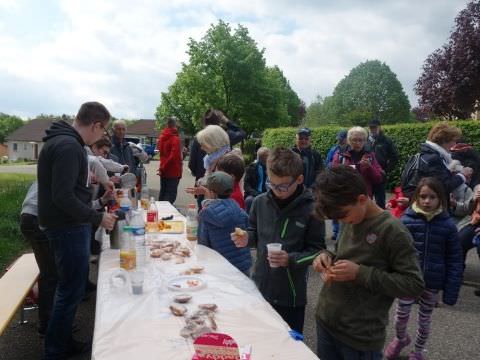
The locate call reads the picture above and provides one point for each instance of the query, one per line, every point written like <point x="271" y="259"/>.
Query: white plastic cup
<point x="272" y="248"/>
<point x="136" y="279"/>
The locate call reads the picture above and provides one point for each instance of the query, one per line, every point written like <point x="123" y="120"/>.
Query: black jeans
<point x="379" y="193"/>
<point x="72" y="252"/>
<point x="293" y="316"/>
<point x="168" y="189"/>
<point x="47" y="280"/>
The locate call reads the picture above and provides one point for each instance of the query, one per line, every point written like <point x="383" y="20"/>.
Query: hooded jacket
<point x="217" y="221"/>
<point x="302" y="236"/>
<point x="432" y="164"/>
<point x="439" y="251"/>
<point x="64" y="194"/>
<point x="168" y="145"/>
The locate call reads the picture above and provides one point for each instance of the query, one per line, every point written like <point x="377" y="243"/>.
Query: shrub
<point x="13" y="188"/>
<point x="407" y="138"/>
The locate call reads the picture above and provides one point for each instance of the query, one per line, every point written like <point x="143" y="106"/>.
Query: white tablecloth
<point x="138" y="327"/>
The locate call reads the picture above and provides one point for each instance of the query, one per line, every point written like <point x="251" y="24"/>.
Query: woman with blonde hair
<point x="435" y="159"/>
<point x="356" y="156"/>
<point x="214" y="141"/>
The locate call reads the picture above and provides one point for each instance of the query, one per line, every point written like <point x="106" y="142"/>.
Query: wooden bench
<point x="14" y="287"/>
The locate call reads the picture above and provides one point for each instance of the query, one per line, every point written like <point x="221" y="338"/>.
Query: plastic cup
<point x="136" y="279"/>
<point x="272" y="248"/>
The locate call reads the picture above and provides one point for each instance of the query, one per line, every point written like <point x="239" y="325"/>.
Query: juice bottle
<point x="128" y="255"/>
<point x="152" y="213"/>
<point x="192" y="222"/>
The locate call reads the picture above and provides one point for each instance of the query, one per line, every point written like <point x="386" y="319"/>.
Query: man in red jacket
<point x="170" y="170"/>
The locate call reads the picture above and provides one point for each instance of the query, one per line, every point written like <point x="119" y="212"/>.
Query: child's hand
<point x="240" y="240"/>
<point x="322" y="262"/>
<point x="278" y="258"/>
<point x="197" y="190"/>
<point x="344" y="270"/>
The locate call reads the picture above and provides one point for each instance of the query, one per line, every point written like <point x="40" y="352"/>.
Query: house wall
<point x="24" y="150"/>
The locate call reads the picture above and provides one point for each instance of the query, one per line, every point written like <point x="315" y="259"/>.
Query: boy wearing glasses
<point x="284" y="215"/>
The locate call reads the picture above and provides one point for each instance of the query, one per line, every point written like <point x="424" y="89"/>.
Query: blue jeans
<point x="71" y="247"/>
<point x="330" y="348"/>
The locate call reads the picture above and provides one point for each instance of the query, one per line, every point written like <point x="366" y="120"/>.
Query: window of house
<point x="15" y="146"/>
<point x="24" y="146"/>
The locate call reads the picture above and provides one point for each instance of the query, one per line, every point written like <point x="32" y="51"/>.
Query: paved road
<point x="455" y="329"/>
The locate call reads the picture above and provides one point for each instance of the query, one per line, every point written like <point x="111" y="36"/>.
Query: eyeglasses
<point x="304" y="137"/>
<point x="102" y="127"/>
<point x="280" y="187"/>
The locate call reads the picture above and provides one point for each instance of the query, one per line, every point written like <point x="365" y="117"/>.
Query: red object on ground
<point x="397" y="209"/>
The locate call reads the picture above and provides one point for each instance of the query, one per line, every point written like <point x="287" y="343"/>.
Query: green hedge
<point x="407" y="138"/>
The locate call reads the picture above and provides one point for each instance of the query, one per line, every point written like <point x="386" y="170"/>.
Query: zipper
<point x="427" y="233"/>
<point x="290" y="279"/>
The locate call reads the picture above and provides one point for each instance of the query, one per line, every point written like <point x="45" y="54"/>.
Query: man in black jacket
<point x="312" y="160"/>
<point x="386" y="155"/>
<point x="65" y="214"/>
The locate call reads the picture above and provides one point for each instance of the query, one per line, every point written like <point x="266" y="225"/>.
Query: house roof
<point x="144" y="127"/>
<point x="34" y="130"/>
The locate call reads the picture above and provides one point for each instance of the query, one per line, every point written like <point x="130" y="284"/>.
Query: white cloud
<point x="125" y="53"/>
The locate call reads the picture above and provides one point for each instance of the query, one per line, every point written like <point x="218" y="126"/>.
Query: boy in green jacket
<point x="284" y="215"/>
<point x="375" y="263"/>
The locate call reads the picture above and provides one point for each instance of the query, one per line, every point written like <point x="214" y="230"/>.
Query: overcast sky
<point x="55" y="55"/>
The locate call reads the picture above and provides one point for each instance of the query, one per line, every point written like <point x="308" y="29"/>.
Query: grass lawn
<point x="13" y="188"/>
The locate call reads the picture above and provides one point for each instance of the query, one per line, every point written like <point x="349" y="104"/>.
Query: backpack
<point x="410" y="175"/>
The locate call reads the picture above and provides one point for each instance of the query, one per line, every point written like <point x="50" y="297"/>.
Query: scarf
<point x="444" y="154"/>
<point x="210" y="159"/>
<point x="429" y="215"/>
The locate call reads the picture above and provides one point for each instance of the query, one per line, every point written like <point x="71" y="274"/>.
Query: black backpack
<point x="411" y="175"/>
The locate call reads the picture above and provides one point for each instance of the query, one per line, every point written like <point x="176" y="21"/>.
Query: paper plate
<point x="174" y="227"/>
<point x="186" y="283"/>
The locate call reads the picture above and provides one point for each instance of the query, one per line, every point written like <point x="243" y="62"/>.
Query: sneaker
<point x="416" y="356"/>
<point x="394" y="348"/>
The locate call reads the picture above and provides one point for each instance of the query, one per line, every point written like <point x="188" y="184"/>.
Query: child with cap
<point x="221" y="216"/>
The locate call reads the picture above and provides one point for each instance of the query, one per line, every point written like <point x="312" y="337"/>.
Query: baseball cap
<point x="220" y="183"/>
<point x="342" y="135"/>
<point x="304" y="131"/>
<point x="374" y="123"/>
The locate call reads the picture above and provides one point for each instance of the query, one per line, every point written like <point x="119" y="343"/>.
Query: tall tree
<point x="450" y="83"/>
<point x="8" y="124"/>
<point x="370" y="90"/>
<point x="226" y="70"/>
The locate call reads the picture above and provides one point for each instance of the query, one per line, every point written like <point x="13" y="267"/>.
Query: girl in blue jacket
<point x="441" y="260"/>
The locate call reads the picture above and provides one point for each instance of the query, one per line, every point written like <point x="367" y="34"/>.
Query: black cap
<point x="374" y="123"/>
<point x="304" y="131"/>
